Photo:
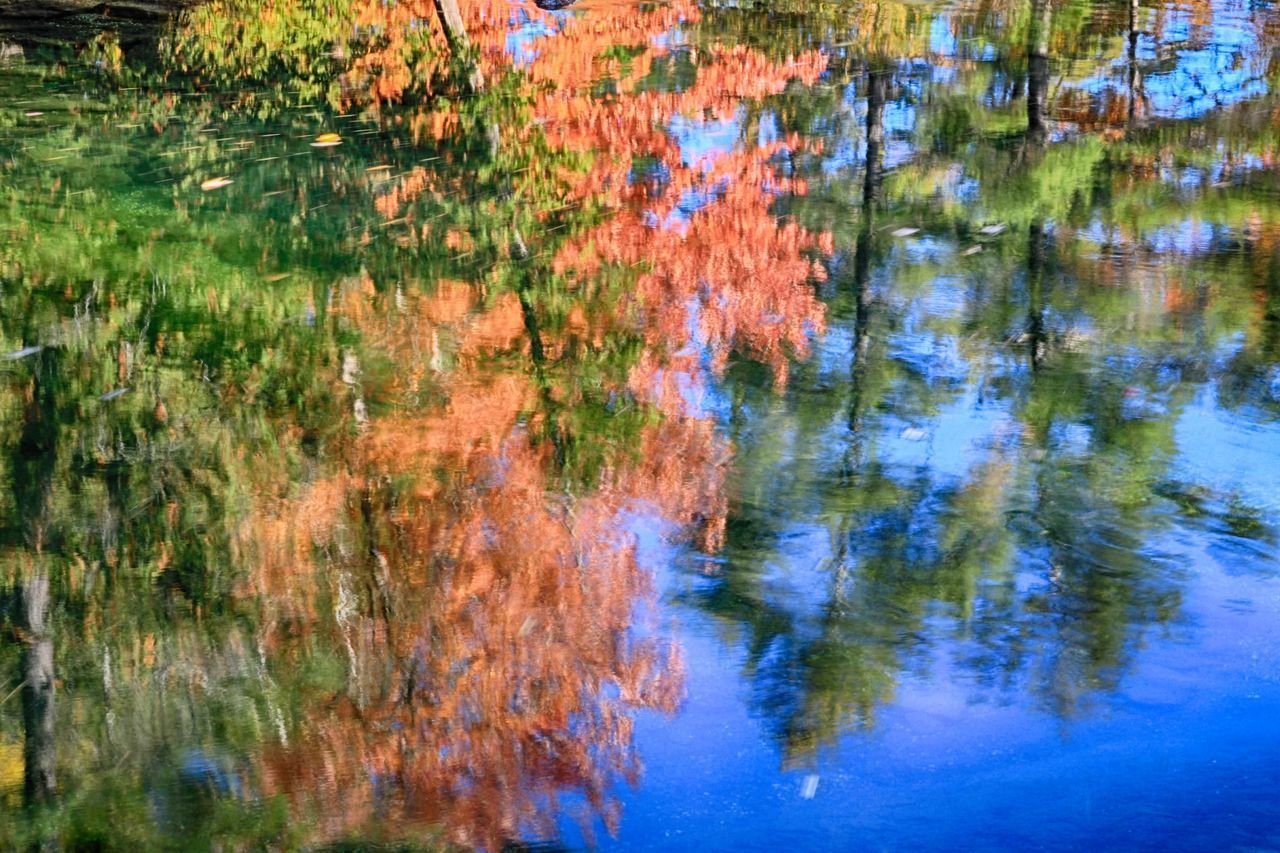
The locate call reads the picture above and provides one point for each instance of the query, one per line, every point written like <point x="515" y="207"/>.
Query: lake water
<point x="649" y="426"/>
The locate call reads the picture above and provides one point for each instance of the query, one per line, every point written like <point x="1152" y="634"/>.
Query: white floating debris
<point x="216" y="183"/>
<point x="22" y="353"/>
<point x="904" y="232"/>
<point x="913" y="434"/>
<point x="972" y="250"/>
<point x="993" y="230"/>
<point x="114" y="394"/>
<point x="809" y="787"/>
<point x="33" y="113"/>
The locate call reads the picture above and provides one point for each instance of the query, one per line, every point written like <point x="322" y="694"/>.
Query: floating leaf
<point x="992" y="230"/>
<point x="810" y="787"/>
<point x="22" y="353"/>
<point x="276" y="276"/>
<point x="216" y="183"/>
<point x="33" y="113"/>
<point x="327" y="140"/>
<point x="972" y="250"/>
<point x="904" y="232"/>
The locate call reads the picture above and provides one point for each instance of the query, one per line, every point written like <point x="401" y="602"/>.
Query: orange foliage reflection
<point x="490" y="619"/>
<point x="487" y="619"/>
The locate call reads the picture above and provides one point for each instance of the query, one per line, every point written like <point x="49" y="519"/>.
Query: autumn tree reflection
<point x="488" y="620"/>
<point x="471" y="555"/>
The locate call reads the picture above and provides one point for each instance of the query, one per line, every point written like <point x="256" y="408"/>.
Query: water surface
<point x="727" y="426"/>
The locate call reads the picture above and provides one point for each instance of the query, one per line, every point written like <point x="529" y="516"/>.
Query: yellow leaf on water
<point x="327" y="140"/>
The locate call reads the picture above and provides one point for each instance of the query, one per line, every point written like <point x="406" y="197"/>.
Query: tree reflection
<point x="38" y="720"/>
<point x="1035" y="570"/>
<point x="355" y="551"/>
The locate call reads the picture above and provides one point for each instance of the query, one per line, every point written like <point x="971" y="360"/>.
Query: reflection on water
<point x="410" y="433"/>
